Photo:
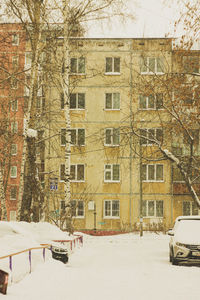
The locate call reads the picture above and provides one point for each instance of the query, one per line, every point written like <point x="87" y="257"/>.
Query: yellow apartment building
<point x="117" y="179"/>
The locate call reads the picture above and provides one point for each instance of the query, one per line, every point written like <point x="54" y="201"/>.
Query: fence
<point x="77" y="240"/>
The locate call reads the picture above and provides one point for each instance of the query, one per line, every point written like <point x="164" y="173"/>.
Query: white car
<point x="184" y="245"/>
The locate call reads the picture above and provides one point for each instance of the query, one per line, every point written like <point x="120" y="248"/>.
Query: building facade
<point x="116" y="87"/>
<point x="116" y="95"/>
<point x="12" y="58"/>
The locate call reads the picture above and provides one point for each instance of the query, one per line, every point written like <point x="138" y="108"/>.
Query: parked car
<point x="184" y="244"/>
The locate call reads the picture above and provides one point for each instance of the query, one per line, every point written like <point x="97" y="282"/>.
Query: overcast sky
<point x="153" y="19"/>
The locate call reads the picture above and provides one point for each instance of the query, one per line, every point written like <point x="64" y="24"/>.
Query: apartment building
<point x="12" y="56"/>
<point x="117" y="88"/>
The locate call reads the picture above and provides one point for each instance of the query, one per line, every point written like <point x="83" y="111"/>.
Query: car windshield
<point x="189" y="227"/>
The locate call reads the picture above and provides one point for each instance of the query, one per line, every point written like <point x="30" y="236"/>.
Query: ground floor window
<point x="190" y="208"/>
<point x="152" y="208"/>
<point x="13" y="215"/>
<point x="77" y="207"/>
<point x="111" y="208"/>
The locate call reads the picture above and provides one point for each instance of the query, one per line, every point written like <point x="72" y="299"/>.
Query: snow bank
<point x="18" y="236"/>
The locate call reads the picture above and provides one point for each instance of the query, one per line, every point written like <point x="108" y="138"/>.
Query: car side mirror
<point x="170" y="232"/>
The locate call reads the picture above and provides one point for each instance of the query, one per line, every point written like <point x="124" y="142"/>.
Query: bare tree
<point x="36" y="18"/>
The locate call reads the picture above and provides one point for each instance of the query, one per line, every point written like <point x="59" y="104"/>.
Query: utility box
<point x="91" y="205"/>
<point x="3" y="282"/>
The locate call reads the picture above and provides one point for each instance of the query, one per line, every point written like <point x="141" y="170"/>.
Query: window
<point x="77" y="101"/>
<point x="77" y="207"/>
<point x="28" y="60"/>
<point x="14" y="127"/>
<point x="152" y="65"/>
<point x="15" y="39"/>
<point x="191" y="64"/>
<point x="14" y="83"/>
<point x="62" y="172"/>
<point x="14" y="105"/>
<point x="111" y="173"/>
<point x="149" y="135"/>
<point x="15" y="60"/>
<point x="63" y="137"/>
<point x="112" y="101"/>
<point x="112" y="136"/>
<point x="152" y="172"/>
<point x="78" y="137"/>
<point x="13" y="193"/>
<point x="13" y="172"/>
<point x="13" y="215"/>
<point x="190" y="208"/>
<point x="152" y="208"/>
<point x="62" y="205"/>
<point x="151" y="102"/>
<point x="111" y="209"/>
<point x="77" y="65"/>
<point x="13" y="149"/>
<point x="113" y="65"/>
<point x="77" y="172"/>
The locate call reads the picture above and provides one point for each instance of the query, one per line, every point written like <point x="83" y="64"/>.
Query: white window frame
<point x="13" y="215"/>
<point x="76" y="173"/>
<point x="77" y="66"/>
<point x="191" y="203"/>
<point x="15" y="61"/>
<point x="77" y="137"/>
<point x="15" y="39"/>
<point x="111" y="209"/>
<point x="77" y="108"/>
<point x="111" y="166"/>
<point x="77" y="216"/>
<point x="12" y="168"/>
<point x="155" y="171"/>
<point x="14" y="83"/>
<point x="148" y="65"/>
<point x="13" y="147"/>
<point x="112" y="144"/>
<point x="147" y="202"/>
<point x="14" y="127"/>
<point x="112" y="99"/>
<point x="147" y="100"/>
<point x="113" y="72"/>
<point x="14" y="105"/>
<point x="148" y="142"/>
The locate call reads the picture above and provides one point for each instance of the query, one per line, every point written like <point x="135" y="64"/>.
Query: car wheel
<point x="173" y="259"/>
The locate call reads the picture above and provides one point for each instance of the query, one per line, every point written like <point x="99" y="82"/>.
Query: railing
<point x="73" y="243"/>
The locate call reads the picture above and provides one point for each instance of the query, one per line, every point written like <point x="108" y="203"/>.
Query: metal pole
<point x="95" y="218"/>
<point x="141" y="214"/>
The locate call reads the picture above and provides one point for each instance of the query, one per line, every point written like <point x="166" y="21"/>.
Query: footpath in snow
<point x="122" y="267"/>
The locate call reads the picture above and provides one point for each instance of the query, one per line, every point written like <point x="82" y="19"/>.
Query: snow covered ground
<point x="120" y="267"/>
